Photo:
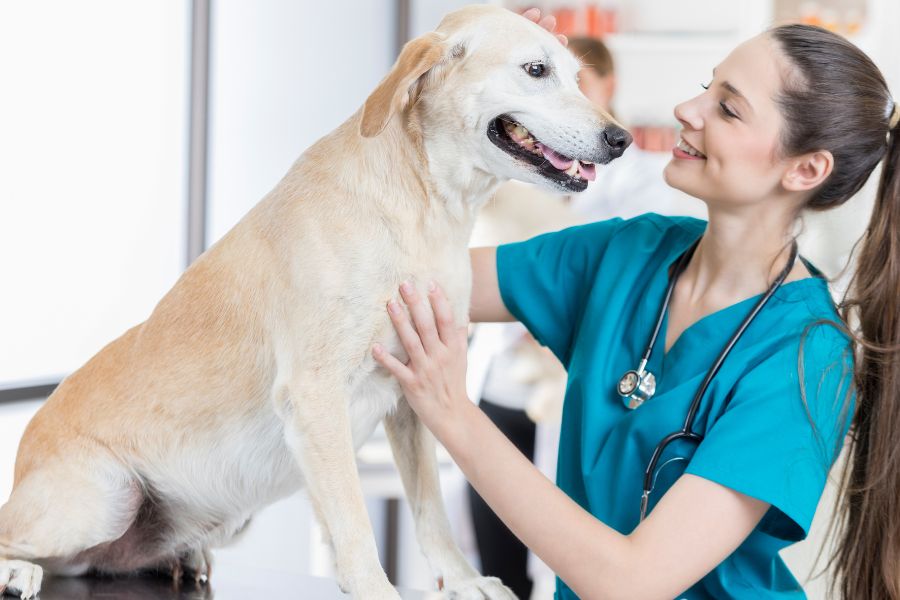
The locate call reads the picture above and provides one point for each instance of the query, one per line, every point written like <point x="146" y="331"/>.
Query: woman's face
<point x="734" y="126"/>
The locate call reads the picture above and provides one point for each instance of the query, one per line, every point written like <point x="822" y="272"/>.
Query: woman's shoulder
<point x="636" y="244"/>
<point x="650" y="240"/>
<point x="666" y="222"/>
<point x="648" y="225"/>
<point x="807" y="323"/>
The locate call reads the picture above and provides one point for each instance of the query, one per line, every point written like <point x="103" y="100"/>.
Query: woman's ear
<point x="807" y="171"/>
<point x="392" y="94"/>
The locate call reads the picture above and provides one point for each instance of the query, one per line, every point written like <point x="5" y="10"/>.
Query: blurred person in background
<point x="632" y="184"/>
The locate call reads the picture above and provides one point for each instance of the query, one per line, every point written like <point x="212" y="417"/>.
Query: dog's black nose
<point x="616" y="140"/>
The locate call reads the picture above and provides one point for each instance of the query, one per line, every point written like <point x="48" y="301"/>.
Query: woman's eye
<point x="725" y="111"/>
<point x="705" y="86"/>
<point x="535" y="69"/>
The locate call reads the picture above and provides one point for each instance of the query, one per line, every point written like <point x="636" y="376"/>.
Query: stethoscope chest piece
<point x="636" y="387"/>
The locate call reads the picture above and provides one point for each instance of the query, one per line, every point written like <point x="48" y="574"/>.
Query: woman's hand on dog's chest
<point x="434" y="378"/>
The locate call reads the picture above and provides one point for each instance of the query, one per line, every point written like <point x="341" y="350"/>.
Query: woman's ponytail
<point x="835" y="98"/>
<point x="867" y="559"/>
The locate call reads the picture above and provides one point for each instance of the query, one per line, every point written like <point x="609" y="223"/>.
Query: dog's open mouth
<point x="514" y="139"/>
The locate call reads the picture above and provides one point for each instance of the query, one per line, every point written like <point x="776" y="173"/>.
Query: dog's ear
<point x="392" y="94"/>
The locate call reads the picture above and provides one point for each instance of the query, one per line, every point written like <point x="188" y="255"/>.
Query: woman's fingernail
<point x="393" y="307"/>
<point x="376" y="349"/>
<point x="432" y="286"/>
<point x="406" y="287"/>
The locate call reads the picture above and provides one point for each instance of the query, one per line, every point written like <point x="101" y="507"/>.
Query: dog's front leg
<point x="318" y="431"/>
<point x="414" y="453"/>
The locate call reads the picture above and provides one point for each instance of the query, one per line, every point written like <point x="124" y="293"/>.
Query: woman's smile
<point x="684" y="150"/>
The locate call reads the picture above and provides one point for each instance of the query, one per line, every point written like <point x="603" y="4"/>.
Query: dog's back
<point x="253" y="375"/>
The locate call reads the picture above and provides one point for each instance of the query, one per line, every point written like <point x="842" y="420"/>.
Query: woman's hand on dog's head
<point x="548" y="23"/>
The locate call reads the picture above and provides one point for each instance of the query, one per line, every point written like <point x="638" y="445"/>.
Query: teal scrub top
<point x="592" y="294"/>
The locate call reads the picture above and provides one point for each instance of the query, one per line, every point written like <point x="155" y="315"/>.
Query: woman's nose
<point x="689" y="114"/>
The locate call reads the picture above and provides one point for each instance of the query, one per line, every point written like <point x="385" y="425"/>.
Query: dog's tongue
<point x="588" y="171"/>
<point x="557" y="160"/>
<point x="563" y="163"/>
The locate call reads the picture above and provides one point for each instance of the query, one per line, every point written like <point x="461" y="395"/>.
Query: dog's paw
<point x="197" y="565"/>
<point x="20" y="578"/>
<point x="479" y="588"/>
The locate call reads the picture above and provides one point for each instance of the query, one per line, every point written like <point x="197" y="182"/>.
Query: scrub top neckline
<point x="701" y="323"/>
<point x="785" y="292"/>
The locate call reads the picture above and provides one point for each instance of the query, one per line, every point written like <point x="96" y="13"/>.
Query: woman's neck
<point x="739" y="257"/>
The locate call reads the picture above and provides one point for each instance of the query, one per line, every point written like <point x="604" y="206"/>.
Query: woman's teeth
<point x="520" y="135"/>
<point x="685" y="147"/>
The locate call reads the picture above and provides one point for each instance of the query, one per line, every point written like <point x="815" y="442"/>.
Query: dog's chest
<point x="372" y="397"/>
<point x="373" y="391"/>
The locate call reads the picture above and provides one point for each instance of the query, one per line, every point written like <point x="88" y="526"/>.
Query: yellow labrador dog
<point x="253" y="376"/>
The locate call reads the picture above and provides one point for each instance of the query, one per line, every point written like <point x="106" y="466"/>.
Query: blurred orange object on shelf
<point x="600" y="21"/>
<point x="565" y="21"/>
<point x="637" y="136"/>
<point x="654" y="138"/>
<point x="595" y="17"/>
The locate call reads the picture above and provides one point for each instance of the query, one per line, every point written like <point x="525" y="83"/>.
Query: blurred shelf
<point x="378" y="473"/>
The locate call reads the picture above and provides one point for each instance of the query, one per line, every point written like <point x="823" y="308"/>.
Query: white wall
<point x="93" y="122"/>
<point x="283" y="74"/>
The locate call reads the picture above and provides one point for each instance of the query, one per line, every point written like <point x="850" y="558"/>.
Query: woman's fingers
<point x="390" y="362"/>
<point x="443" y="315"/>
<point x="548" y="23"/>
<point x="532" y="14"/>
<point x="421" y="316"/>
<point x="407" y="333"/>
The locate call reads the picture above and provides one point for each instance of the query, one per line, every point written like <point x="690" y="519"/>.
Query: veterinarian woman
<point x="794" y="119"/>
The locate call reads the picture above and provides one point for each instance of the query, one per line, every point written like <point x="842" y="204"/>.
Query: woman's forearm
<point x="588" y="555"/>
<point x="694" y="527"/>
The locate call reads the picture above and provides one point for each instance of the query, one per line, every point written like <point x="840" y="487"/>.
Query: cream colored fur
<point x="253" y="376"/>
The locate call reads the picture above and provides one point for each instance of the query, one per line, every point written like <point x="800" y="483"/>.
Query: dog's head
<point x="495" y="93"/>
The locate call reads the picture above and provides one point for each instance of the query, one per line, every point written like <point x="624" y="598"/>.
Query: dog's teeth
<point x="573" y="169"/>
<point x="586" y="162"/>
<point x="521" y="131"/>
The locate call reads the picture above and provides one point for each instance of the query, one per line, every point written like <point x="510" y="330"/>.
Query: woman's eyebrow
<point x="735" y="92"/>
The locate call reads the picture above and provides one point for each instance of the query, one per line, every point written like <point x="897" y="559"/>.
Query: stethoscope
<point x="638" y="386"/>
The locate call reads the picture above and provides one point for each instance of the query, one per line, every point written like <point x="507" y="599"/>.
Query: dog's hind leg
<point x="55" y="513"/>
<point x="317" y="429"/>
<point x="414" y="453"/>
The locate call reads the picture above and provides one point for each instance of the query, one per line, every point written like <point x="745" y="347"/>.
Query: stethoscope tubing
<point x="686" y="432"/>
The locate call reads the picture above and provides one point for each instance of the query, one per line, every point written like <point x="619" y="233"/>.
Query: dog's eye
<point x="535" y="69"/>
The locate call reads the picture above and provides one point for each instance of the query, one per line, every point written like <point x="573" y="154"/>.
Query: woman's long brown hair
<point x="868" y="554"/>
<point x="837" y="100"/>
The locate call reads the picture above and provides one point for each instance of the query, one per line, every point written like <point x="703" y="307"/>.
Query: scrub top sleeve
<point x="544" y="281"/>
<point x="764" y="444"/>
